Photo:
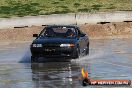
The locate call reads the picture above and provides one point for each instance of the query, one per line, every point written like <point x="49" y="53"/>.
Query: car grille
<point x="51" y="45"/>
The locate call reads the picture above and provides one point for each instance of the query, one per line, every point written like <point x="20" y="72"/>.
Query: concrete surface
<point x="37" y="20"/>
<point x="78" y="18"/>
<point x="108" y="59"/>
<point x="103" y="17"/>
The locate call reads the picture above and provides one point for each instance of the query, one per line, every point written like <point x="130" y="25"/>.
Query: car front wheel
<point x="34" y="59"/>
<point x="76" y="54"/>
<point x="87" y="50"/>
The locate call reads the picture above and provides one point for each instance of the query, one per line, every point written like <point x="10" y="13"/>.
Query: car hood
<point x="55" y="40"/>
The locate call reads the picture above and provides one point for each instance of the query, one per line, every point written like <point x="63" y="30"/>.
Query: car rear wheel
<point x="34" y="59"/>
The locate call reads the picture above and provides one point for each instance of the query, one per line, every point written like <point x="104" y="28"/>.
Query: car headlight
<point x="37" y="45"/>
<point x="67" y="45"/>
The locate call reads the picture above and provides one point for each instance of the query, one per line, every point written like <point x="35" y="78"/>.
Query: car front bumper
<point x="53" y="52"/>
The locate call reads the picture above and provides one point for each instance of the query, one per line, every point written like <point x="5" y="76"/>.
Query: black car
<point x="59" y="41"/>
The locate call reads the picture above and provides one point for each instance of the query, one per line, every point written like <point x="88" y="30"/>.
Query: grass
<point x="10" y="8"/>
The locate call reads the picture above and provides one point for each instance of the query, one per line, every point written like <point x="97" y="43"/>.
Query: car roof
<point x="73" y="26"/>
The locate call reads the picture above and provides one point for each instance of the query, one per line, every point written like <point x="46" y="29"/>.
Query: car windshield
<point x="59" y="32"/>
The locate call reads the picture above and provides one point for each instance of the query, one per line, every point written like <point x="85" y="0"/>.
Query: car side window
<point x="80" y="32"/>
<point x="42" y="32"/>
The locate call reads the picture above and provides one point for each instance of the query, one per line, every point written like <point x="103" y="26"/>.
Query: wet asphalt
<point x="108" y="59"/>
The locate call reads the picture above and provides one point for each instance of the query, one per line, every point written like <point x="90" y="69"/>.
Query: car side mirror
<point x="82" y="35"/>
<point x="35" y="35"/>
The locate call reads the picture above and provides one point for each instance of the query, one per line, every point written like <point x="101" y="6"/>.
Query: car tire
<point x="77" y="54"/>
<point x="34" y="59"/>
<point x="87" y="50"/>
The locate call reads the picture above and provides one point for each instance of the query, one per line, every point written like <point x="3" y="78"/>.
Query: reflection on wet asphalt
<point x="108" y="59"/>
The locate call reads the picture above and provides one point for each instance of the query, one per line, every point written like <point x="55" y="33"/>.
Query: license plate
<point x="50" y="50"/>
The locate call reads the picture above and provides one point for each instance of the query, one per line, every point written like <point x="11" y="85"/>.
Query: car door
<point x="85" y="44"/>
<point x="81" y="41"/>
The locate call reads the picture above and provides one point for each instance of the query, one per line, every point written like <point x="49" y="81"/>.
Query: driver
<point x="70" y="33"/>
